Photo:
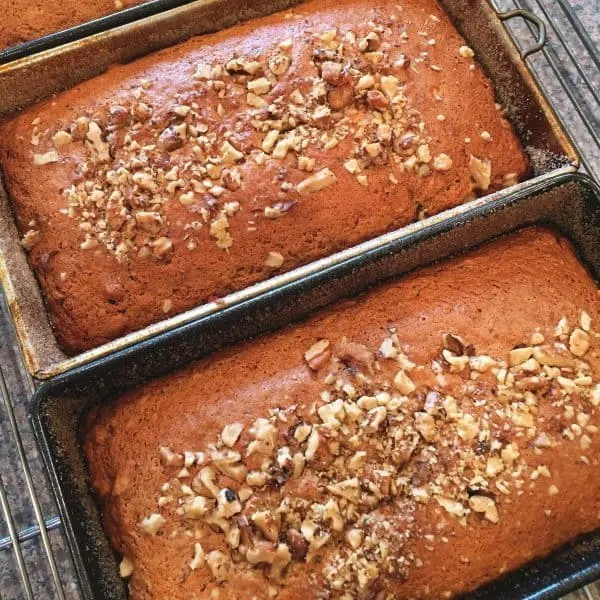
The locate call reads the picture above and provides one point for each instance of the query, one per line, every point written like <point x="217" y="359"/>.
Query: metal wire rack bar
<point x="584" y="99"/>
<point x="558" y="62"/>
<point x="29" y="533"/>
<point x="42" y="531"/>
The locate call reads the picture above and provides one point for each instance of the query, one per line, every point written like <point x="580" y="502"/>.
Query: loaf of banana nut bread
<point x="206" y="167"/>
<point x="415" y="442"/>
<point x="26" y="20"/>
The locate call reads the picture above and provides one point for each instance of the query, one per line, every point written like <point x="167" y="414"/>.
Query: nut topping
<point x="481" y="173"/>
<point x="153" y="523"/>
<point x="274" y="260"/>
<point x="199" y="557"/>
<point x="43" y="159"/>
<point x="219" y="564"/>
<point x="403" y="383"/>
<point x="356" y="103"/>
<point x="485" y="505"/>
<point x="579" y="342"/>
<point x="305" y="482"/>
<point x="125" y="568"/>
<point x="442" y="162"/>
<point x="315" y="183"/>
<point x="520" y="355"/>
<point x="231" y="434"/>
<point x="30" y="239"/>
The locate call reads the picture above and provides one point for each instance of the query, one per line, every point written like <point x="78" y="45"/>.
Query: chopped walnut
<point x="256" y="478"/>
<point x="219" y="564"/>
<point x="442" y="162"/>
<point x="425" y="425"/>
<point x="481" y="173"/>
<point x="61" y="139"/>
<point x="312" y="444"/>
<point x="260" y="86"/>
<point x="168" y="458"/>
<point x="585" y="321"/>
<point x="30" y="239"/>
<point x="279" y="64"/>
<point x="96" y="143"/>
<point x="270" y="140"/>
<point x="519" y="355"/>
<point x="255" y="101"/>
<point x="268" y="523"/>
<point x="365" y="82"/>
<point x="150" y="222"/>
<point x="451" y="506"/>
<point x="403" y="383"/>
<point x="199" y="558"/>
<point x="274" y="260"/>
<point x="467" y="427"/>
<point x="161" y="246"/>
<point x="281" y="560"/>
<point x="537" y="338"/>
<point x="306" y="164"/>
<point x="43" y="159"/>
<point x="219" y="229"/>
<point x="187" y="199"/>
<point x="579" y="342"/>
<point x="228" y="503"/>
<point x="230" y="154"/>
<point x="153" y="523"/>
<point x="197" y="507"/>
<point x="125" y="568"/>
<point x="320" y="180"/>
<point x="552" y="358"/>
<point x="231" y="434"/>
<point x="509" y="454"/>
<point x="485" y="505"/>
<point x="352" y="166"/>
<point x="205" y="480"/>
<point x="173" y="137"/>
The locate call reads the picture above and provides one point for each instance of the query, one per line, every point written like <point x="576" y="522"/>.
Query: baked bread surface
<point x="456" y="416"/>
<point x="214" y="164"/>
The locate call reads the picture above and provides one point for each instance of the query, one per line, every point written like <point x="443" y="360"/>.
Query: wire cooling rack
<point x="34" y="560"/>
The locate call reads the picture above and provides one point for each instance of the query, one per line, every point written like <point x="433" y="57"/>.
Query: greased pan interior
<point x="570" y="203"/>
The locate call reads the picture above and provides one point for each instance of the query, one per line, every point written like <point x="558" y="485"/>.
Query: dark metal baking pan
<point x="23" y="81"/>
<point x="77" y="32"/>
<point x="570" y="203"/>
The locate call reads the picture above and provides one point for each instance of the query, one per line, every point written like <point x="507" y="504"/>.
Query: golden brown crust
<point x="181" y="188"/>
<point x="26" y="20"/>
<point x="536" y="452"/>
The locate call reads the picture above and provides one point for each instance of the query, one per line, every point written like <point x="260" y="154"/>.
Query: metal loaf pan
<point x="570" y="203"/>
<point x="26" y="80"/>
<point x="76" y="32"/>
